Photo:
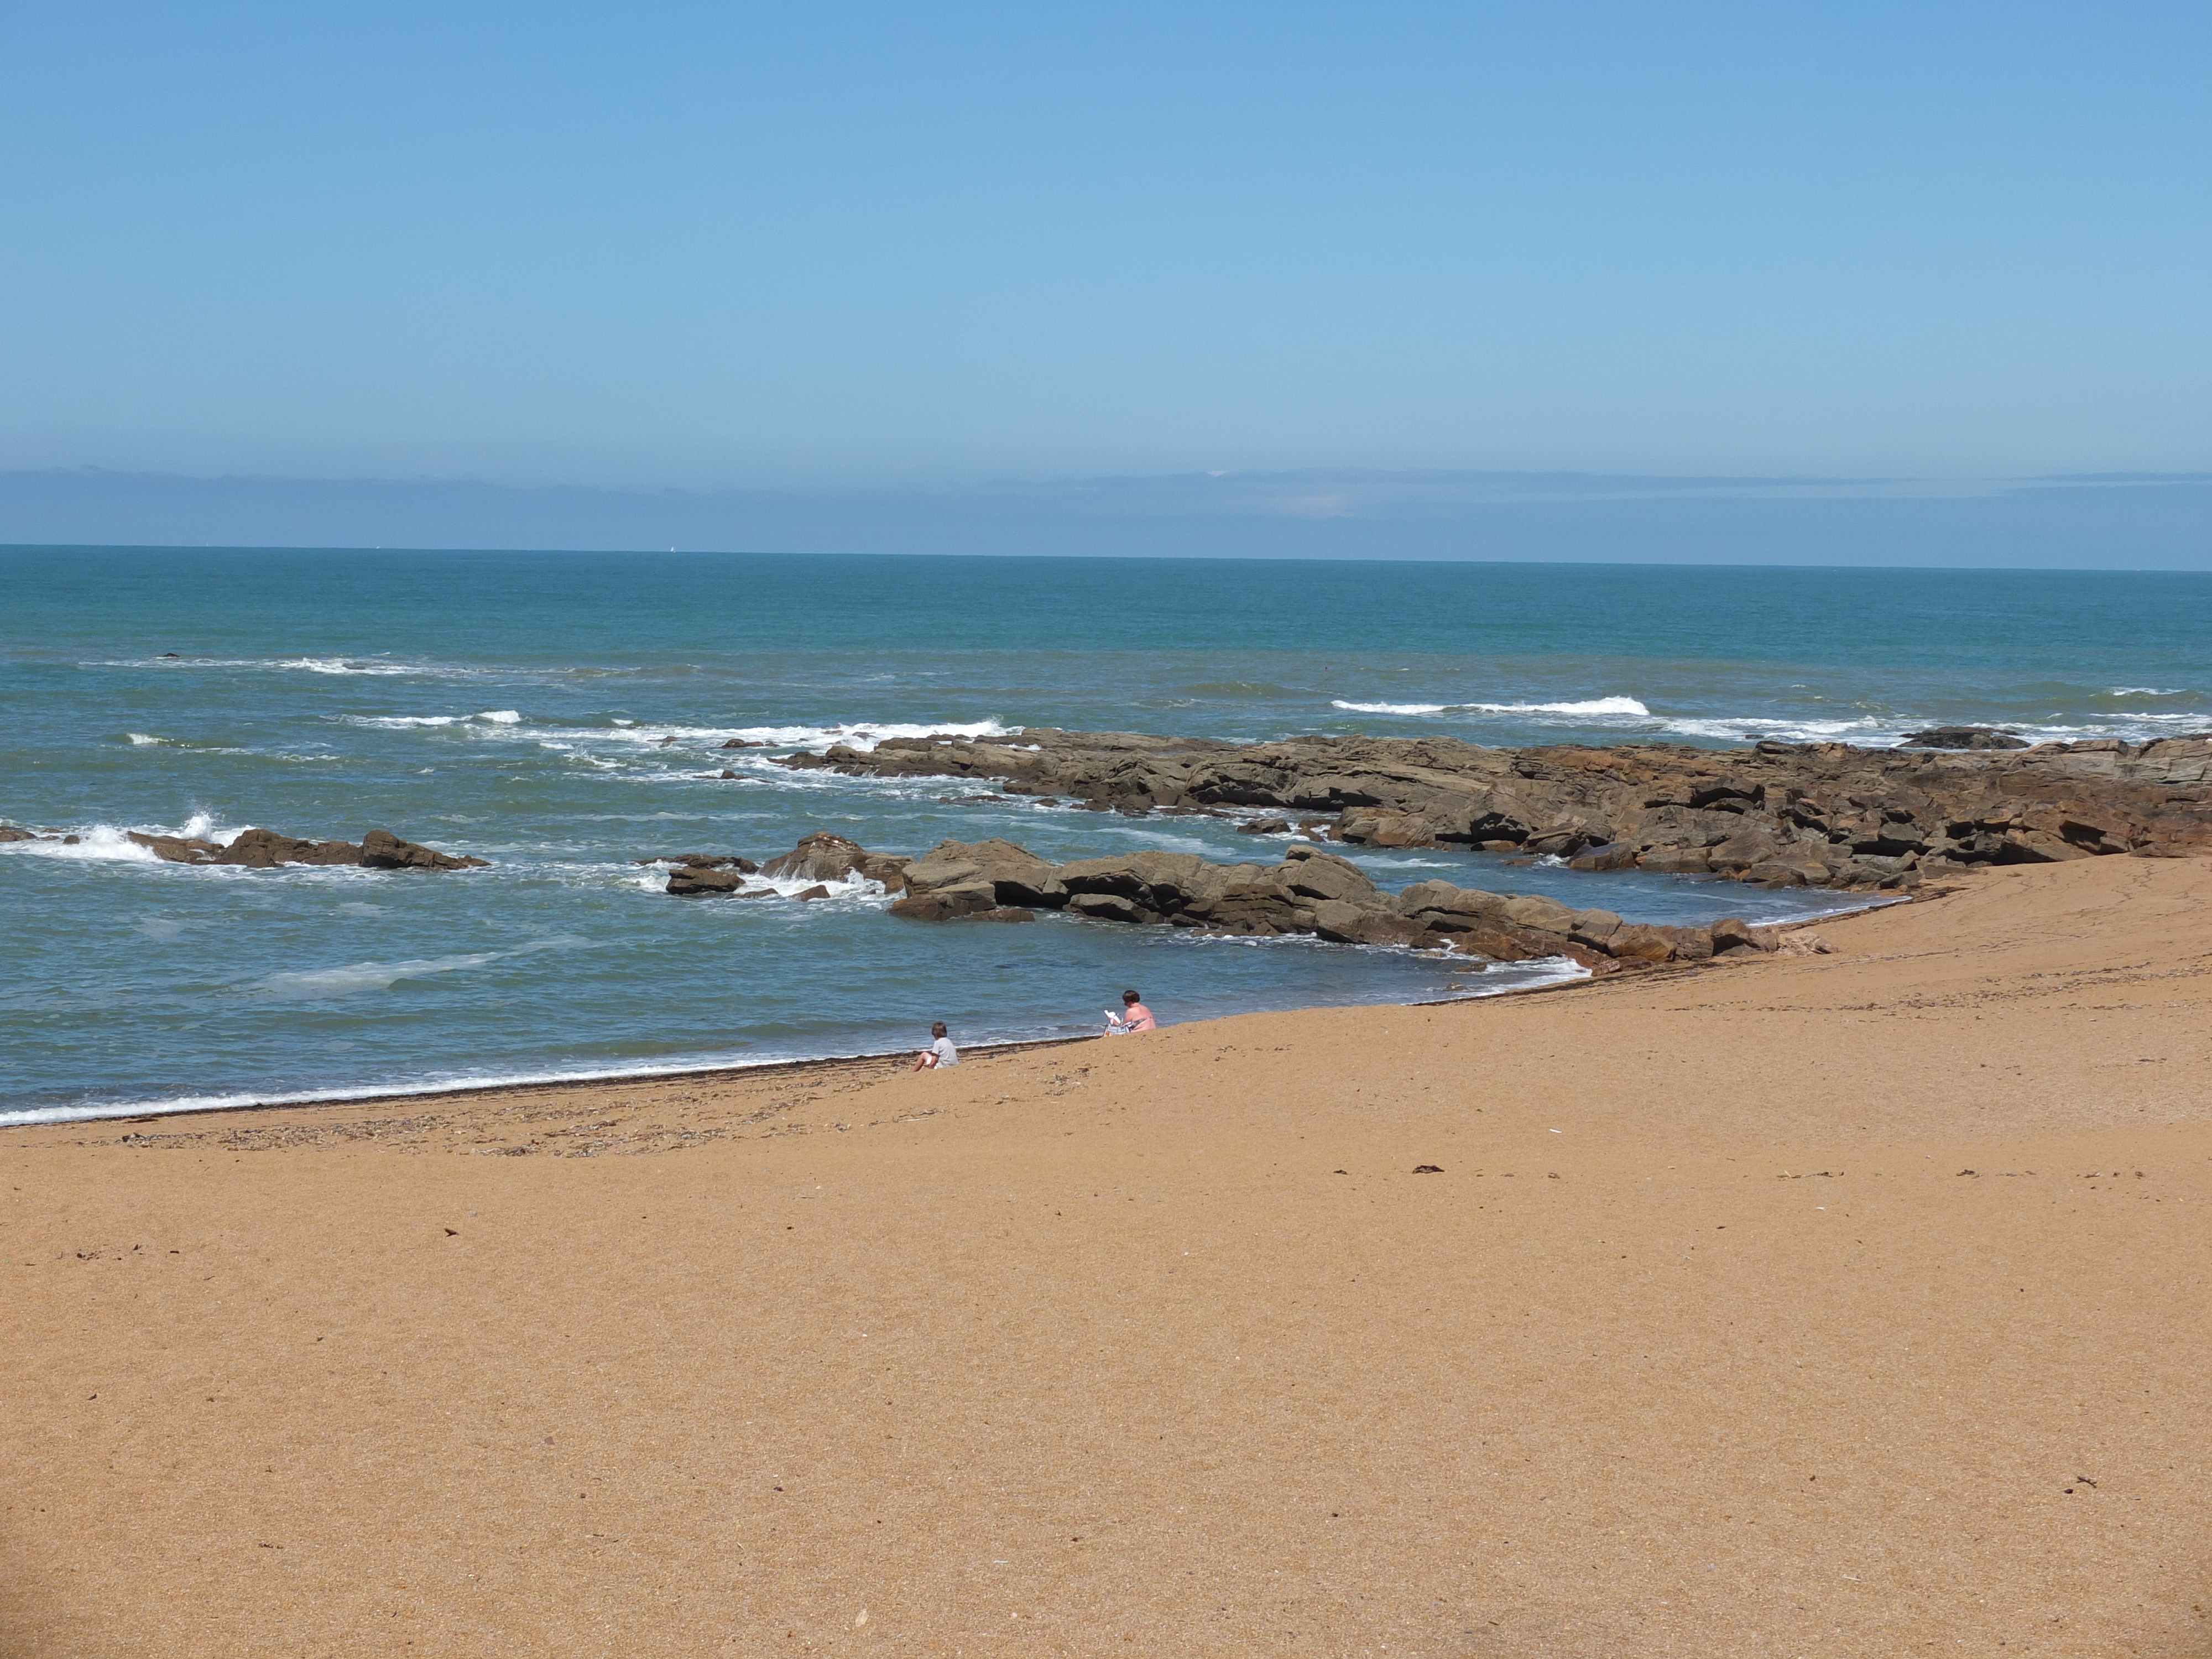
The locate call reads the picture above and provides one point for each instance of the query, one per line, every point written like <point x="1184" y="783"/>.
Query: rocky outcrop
<point x="1311" y="892"/>
<point x="1778" y="814"/>
<point x="819" y="859"/>
<point x="824" y="857"/>
<point x="701" y="877"/>
<point x="265" y="850"/>
<point x="1962" y="737"/>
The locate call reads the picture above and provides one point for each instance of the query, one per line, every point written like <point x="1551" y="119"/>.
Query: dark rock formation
<point x="1781" y="814"/>
<point x="706" y="879"/>
<point x="382" y="850"/>
<point x="265" y="849"/>
<point x="822" y="856"/>
<point x="1310" y="891"/>
<point x="12" y="832"/>
<point x="1962" y="737"/>
<point x="819" y="859"/>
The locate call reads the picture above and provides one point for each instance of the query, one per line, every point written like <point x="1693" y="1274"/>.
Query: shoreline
<point x="133" y="1112"/>
<point x="534" y="1084"/>
<point x="585" y="1085"/>
<point x="1829" y="1300"/>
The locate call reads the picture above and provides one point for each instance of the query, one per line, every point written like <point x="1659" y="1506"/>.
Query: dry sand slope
<point x="1849" y="1304"/>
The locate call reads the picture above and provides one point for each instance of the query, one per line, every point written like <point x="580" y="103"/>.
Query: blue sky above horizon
<point x="716" y="247"/>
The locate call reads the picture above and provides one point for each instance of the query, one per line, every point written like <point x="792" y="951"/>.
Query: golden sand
<point x="1849" y="1304"/>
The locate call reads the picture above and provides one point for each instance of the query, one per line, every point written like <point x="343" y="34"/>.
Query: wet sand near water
<point x="1849" y="1303"/>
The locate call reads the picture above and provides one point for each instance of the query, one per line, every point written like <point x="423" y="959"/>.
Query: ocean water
<point x="520" y="707"/>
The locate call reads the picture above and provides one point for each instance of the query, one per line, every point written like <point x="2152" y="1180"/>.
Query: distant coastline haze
<point x="755" y="279"/>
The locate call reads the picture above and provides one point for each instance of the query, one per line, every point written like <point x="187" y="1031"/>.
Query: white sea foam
<point x="292" y="664"/>
<point x="1591" y="707"/>
<point x="857" y="734"/>
<point x="449" y="1083"/>
<point x="140" y="739"/>
<point x="308" y="984"/>
<point x="628" y="737"/>
<point x="410" y="722"/>
<point x="349" y="980"/>
<point x="2146" y="692"/>
<point x="99" y="843"/>
<point x="110" y="843"/>
<point x="346" y="665"/>
<point x="1789" y="731"/>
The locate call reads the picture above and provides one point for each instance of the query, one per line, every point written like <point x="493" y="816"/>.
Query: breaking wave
<point x="1594" y="706"/>
<point x="408" y="722"/>
<point x="111" y="843"/>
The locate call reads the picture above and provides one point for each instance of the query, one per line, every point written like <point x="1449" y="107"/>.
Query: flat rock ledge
<point x="1312" y="891"/>
<point x="1779" y="814"/>
<point x="265" y="850"/>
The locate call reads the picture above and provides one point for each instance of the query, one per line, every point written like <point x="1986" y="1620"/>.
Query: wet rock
<point x="1614" y="855"/>
<point x="820" y="856"/>
<point x="826" y="857"/>
<point x="1110" y="907"/>
<point x="1003" y="913"/>
<point x="1265" y="827"/>
<point x="172" y="849"/>
<point x="947" y="903"/>
<point x="10" y="832"/>
<point x="743" y="743"/>
<point x="1962" y="737"/>
<point x="382" y="850"/>
<point x="705" y="880"/>
<point x="817" y="891"/>
<point x="266" y="849"/>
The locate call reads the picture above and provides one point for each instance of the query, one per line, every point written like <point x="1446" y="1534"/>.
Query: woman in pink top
<point x="1135" y="1018"/>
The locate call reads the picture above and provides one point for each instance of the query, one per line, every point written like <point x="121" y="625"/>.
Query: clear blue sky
<point x="713" y="245"/>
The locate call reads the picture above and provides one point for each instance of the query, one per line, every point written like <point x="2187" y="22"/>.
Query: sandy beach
<point x="1851" y="1303"/>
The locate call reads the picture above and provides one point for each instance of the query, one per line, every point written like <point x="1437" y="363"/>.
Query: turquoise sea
<point x="517" y="705"/>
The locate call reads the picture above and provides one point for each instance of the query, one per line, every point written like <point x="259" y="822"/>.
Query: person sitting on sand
<point x="1135" y="1017"/>
<point x="939" y="1053"/>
